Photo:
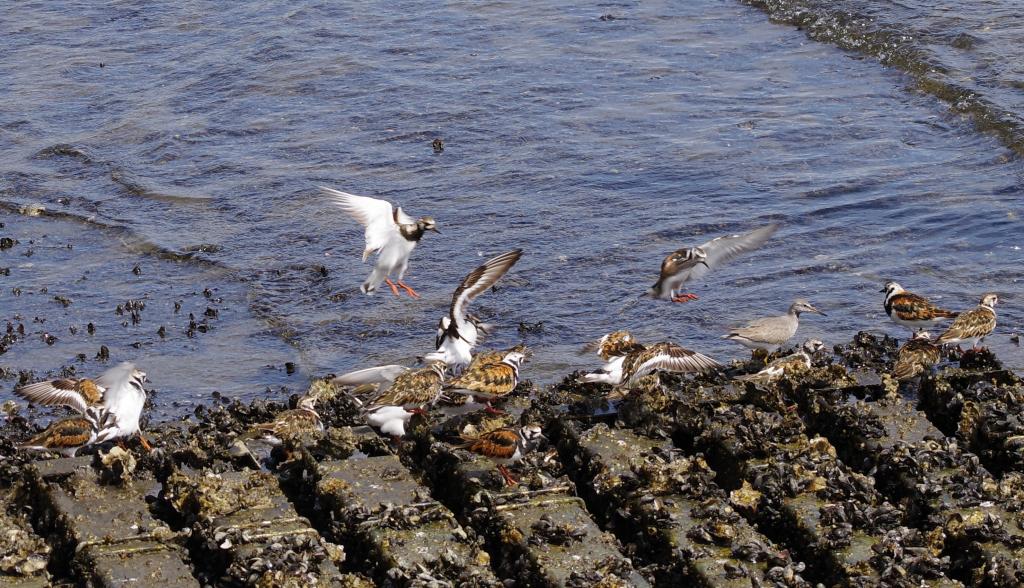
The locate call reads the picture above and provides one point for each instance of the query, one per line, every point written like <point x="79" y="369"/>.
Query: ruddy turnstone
<point x="292" y="423"/>
<point x="773" y="332"/>
<point x="65" y="436"/>
<point x="390" y="233"/>
<point x="916" y="356"/>
<point x="458" y="332"/>
<point x="504" y="446"/>
<point x="408" y="393"/>
<point x="691" y="263"/>
<point x="973" y="325"/>
<point x="788" y="365"/>
<point x="119" y="392"/>
<point x="496" y="376"/>
<point x="911" y="310"/>
<point x="612" y="348"/>
<point x="667" y="357"/>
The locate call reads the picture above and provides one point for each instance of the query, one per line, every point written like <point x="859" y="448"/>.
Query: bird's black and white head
<point x="427" y="223"/>
<point x="989" y="300"/>
<point x="813" y="346"/>
<point x="516" y="356"/>
<point x="800" y="305"/>
<point x="922" y="336"/>
<point x="891" y="289"/>
<point x="530" y="437"/>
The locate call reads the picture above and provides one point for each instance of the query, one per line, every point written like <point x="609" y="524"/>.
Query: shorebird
<point x="789" y="365"/>
<point x="404" y="397"/>
<point x="390" y="233"/>
<point x="458" y="332"/>
<point x="916" y="356"/>
<point x="494" y="376"/>
<point x="292" y="423"/>
<point x="911" y="310"/>
<point x="973" y="325"/>
<point x="504" y="446"/>
<point x="612" y="348"/>
<point x="773" y="332"/>
<point x="667" y="357"/>
<point x="119" y="392"/>
<point x="65" y="436"/>
<point x="691" y="263"/>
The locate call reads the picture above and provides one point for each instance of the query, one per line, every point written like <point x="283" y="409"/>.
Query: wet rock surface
<point x="837" y="476"/>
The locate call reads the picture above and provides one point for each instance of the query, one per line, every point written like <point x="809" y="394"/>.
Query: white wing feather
<point x="376" y="215"/>
<point x="722" y="249"/>
<point x="376" y="375"/>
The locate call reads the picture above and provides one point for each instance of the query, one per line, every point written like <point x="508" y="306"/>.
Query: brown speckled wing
<point x="495" y="379"/>
<point x="499" y="443"/>
<point x="914" y="358"/>
<point x="412" y="388"/>
<point x="292" y="423"/>
<point x="911" y="307"/>
<point x="76" y="394"/>
<point x="64" y="434"/>
<point x="977" y="322"/>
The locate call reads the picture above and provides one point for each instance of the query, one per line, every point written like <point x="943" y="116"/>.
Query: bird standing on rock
<point x="406" y="396"/>
<point x="292" y="423"/>
<point x="613" y="349"/>
<point x="490" y="380"/>
<point x="789" y="365"/>
<point x="390" y="233"/>
<point x="65" y="436"/>
<point x="504" y="446"/>
<point x="911" y="310"/>
<point x="691" y="263"/>
<point x="916" y="356"/>
<point x="974" y="325"/>
<point x="771" y="333"/>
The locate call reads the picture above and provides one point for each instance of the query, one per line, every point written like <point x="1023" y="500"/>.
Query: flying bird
<point x="390" y="233"/>
<point x="458" y="332"/>
<point x="690" y="263"/>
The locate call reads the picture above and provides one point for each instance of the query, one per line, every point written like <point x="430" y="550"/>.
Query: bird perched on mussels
<point x="771" y="333"/>
<point x="390" y="233"/>
<point x="666" y="357"/>
<point x="119" y="392"/>
<point x="789" y="365"/>
<point x="916" y="357"/>
<point x="690" y="263"/>
<point x="504" y="446"/>
<point x="289" y="424"/>
<point x="974" y="325"/>
<point x="912" y="310"/>
<point x="406" y="396"/>
<point x="613" y="349"/>
<point x="495" y="376"/>
<point x="64" y="436"/>
<point x="459" y="331"/>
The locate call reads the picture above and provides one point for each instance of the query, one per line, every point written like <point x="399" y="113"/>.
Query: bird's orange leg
<point x="684" y="297"/>
<point x="509" y="480"/>
<point x="144" y="442"/>
<point x="394" y="288"/>
<point x="491" y="410"/>
<point x="408" y="289"/>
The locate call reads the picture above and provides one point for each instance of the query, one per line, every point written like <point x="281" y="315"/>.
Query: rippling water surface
<point x="189" y="141"/>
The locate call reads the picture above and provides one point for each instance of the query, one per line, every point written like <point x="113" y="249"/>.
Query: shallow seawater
<point x="190" y="142"/>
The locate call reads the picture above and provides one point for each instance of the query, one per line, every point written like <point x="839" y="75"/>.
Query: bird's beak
<point x="882" y="290"/>
<point x="816" y="311"/>
<point x="435" y="230"/>
<point x="705" y="264"/>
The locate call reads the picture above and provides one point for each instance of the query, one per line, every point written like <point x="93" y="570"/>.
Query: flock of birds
<point x="109" y="407"/>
